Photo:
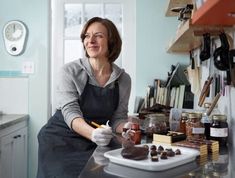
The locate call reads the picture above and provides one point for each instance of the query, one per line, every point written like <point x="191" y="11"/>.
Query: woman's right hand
<point x="102" y="136"/>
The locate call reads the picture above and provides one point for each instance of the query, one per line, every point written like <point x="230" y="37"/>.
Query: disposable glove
<point x="98" y="155"/>
<point x="102" y="135"/>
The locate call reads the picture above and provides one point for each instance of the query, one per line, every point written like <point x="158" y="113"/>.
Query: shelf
<point x="215" y="12"/>
<point x="176" y="3"/>
<point x="185" y="40"/>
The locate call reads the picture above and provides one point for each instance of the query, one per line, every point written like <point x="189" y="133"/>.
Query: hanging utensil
<point x="221" y="54"/>
<point x="205" y="52"/>
<point x="232" y="66"/>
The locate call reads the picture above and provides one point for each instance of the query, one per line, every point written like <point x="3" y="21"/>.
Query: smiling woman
<point x="91" y="89"/>
<point x="68" y="18"/>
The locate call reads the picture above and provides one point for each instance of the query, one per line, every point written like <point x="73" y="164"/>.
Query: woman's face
<point x="96" y="41"/>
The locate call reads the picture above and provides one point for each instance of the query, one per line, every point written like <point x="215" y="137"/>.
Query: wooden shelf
<point x="185" y="40"/>
<point x="215" y="12"/>
<point x="176" y="3"/>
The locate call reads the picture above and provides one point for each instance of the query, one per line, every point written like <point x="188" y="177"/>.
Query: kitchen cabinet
<point x="216" y="12"/>
<point x="212" y="17"/>
<point x="13" y="151"/>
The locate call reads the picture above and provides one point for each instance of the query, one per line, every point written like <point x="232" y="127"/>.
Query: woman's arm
<point x="121" y="114"/>
<point x="80" y="126"/>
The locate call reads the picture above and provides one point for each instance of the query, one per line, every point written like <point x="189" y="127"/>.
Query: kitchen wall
<point x="154" y="31"/>
<point x="35" y="14"/>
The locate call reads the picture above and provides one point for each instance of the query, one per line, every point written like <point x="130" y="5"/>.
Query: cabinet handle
<point x="16" y="136"/>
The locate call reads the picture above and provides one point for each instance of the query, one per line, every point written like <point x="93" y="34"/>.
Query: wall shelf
<point x="189" y="33"/>
<point x="176" y="3"/>
<point x="215" y="12"/>
<point x="185" y="40"/>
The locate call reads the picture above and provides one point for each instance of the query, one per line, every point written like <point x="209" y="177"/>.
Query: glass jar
<point x="183" y="120"/>
<point x="206" y="121"/>
<point x="155" y="123"/>
<point x="219" y="129"/>
<point x="135" y="134"/>
<point x="220" y="165"/>
<point x="194" y="128"/>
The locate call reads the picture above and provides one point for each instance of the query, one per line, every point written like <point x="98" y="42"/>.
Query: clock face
<point x="14" y="35"/>
<point x="14" y="31"/>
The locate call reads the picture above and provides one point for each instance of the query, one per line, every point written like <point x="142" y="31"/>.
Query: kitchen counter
<point x="217" y="165"/>
<point x="7" y="120"/>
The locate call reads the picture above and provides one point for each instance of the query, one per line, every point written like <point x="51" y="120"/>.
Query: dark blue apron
<point x="62" y="152"/>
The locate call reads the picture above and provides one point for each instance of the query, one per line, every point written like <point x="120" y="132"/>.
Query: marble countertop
<point x="7" y="120"/>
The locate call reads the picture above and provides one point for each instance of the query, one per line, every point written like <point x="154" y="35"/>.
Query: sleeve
<point x="121" y="113"/>
<point x="68" y="93"/>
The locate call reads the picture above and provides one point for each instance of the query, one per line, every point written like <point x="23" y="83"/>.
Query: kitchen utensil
<point x="184" y="12"/>
<point x="213" y="104"/>
<point x="232" y="66"/>
<point x="205" y="91"/>
<point x="221" y="56"/>
<point x="205" y="53"/>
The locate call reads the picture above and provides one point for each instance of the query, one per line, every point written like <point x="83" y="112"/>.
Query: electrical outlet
<point x="28" y="67"/>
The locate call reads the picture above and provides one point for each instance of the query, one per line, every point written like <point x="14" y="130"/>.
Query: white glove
<point x="102" y="136"/>
<point x="98" y="155"/>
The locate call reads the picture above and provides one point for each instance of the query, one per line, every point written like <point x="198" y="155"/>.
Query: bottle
<point x="219" y="129"/>
<point x="183" y="120"/>
<point x="206" y="121"/>
<point x="194" y="128"/>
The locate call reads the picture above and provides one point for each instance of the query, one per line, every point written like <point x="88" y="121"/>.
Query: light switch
<point x="28" y="67"/>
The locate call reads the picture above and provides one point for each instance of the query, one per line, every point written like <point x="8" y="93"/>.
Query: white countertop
<point x="7" y="120"/>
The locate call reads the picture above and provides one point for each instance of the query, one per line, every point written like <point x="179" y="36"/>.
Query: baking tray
<point x="187" y="155"/>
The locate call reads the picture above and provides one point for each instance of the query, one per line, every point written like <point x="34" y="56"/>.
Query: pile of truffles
<point x="163" y="153"/>
<point x="140" y="153"/>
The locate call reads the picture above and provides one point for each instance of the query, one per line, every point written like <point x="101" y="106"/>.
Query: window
<point x="68" y="18"/>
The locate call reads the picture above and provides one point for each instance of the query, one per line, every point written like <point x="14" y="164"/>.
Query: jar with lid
<point x="183" y="120"/>
<point x="219" y="129"/>
<point x="206" y="118"/>
<point x="194" y="128"/>
<point x="155" y="123"/>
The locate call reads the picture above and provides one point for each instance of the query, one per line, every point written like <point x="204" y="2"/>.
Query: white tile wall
<point x="14" y="95"/>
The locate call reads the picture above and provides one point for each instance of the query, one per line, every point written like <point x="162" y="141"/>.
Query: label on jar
<point x="198" y="130"/>
<point x="219" y="132"/>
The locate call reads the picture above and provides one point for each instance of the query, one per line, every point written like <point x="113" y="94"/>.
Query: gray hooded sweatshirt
<point x="72" y="79"/>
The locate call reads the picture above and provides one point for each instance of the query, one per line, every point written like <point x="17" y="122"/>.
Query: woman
<point x="90" y="89"/>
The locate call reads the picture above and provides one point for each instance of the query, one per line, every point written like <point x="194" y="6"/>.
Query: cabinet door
<point x="14" y="155"/>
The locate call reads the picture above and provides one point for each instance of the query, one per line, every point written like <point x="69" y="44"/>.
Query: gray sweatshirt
<point x="71" y="82"/>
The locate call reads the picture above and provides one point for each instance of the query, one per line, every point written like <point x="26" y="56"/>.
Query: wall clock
<point x="14" y="35"/>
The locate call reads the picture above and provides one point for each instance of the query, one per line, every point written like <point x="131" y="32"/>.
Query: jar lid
<point x="184" y="114"/>
<point x="157" y="116"/>
<point x="195" y="115"/>
<point x="219" y="117"/>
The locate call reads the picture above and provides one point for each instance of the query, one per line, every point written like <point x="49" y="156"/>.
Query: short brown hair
<point x="114" y="39"/>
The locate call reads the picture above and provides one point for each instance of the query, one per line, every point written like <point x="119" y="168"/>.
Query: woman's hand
<point x="102" y="135"/>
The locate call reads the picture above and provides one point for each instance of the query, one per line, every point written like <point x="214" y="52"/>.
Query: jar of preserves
<point x="194" y="128"/>
<point x="183" y="120"/>
<point x="219" y="129"/>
